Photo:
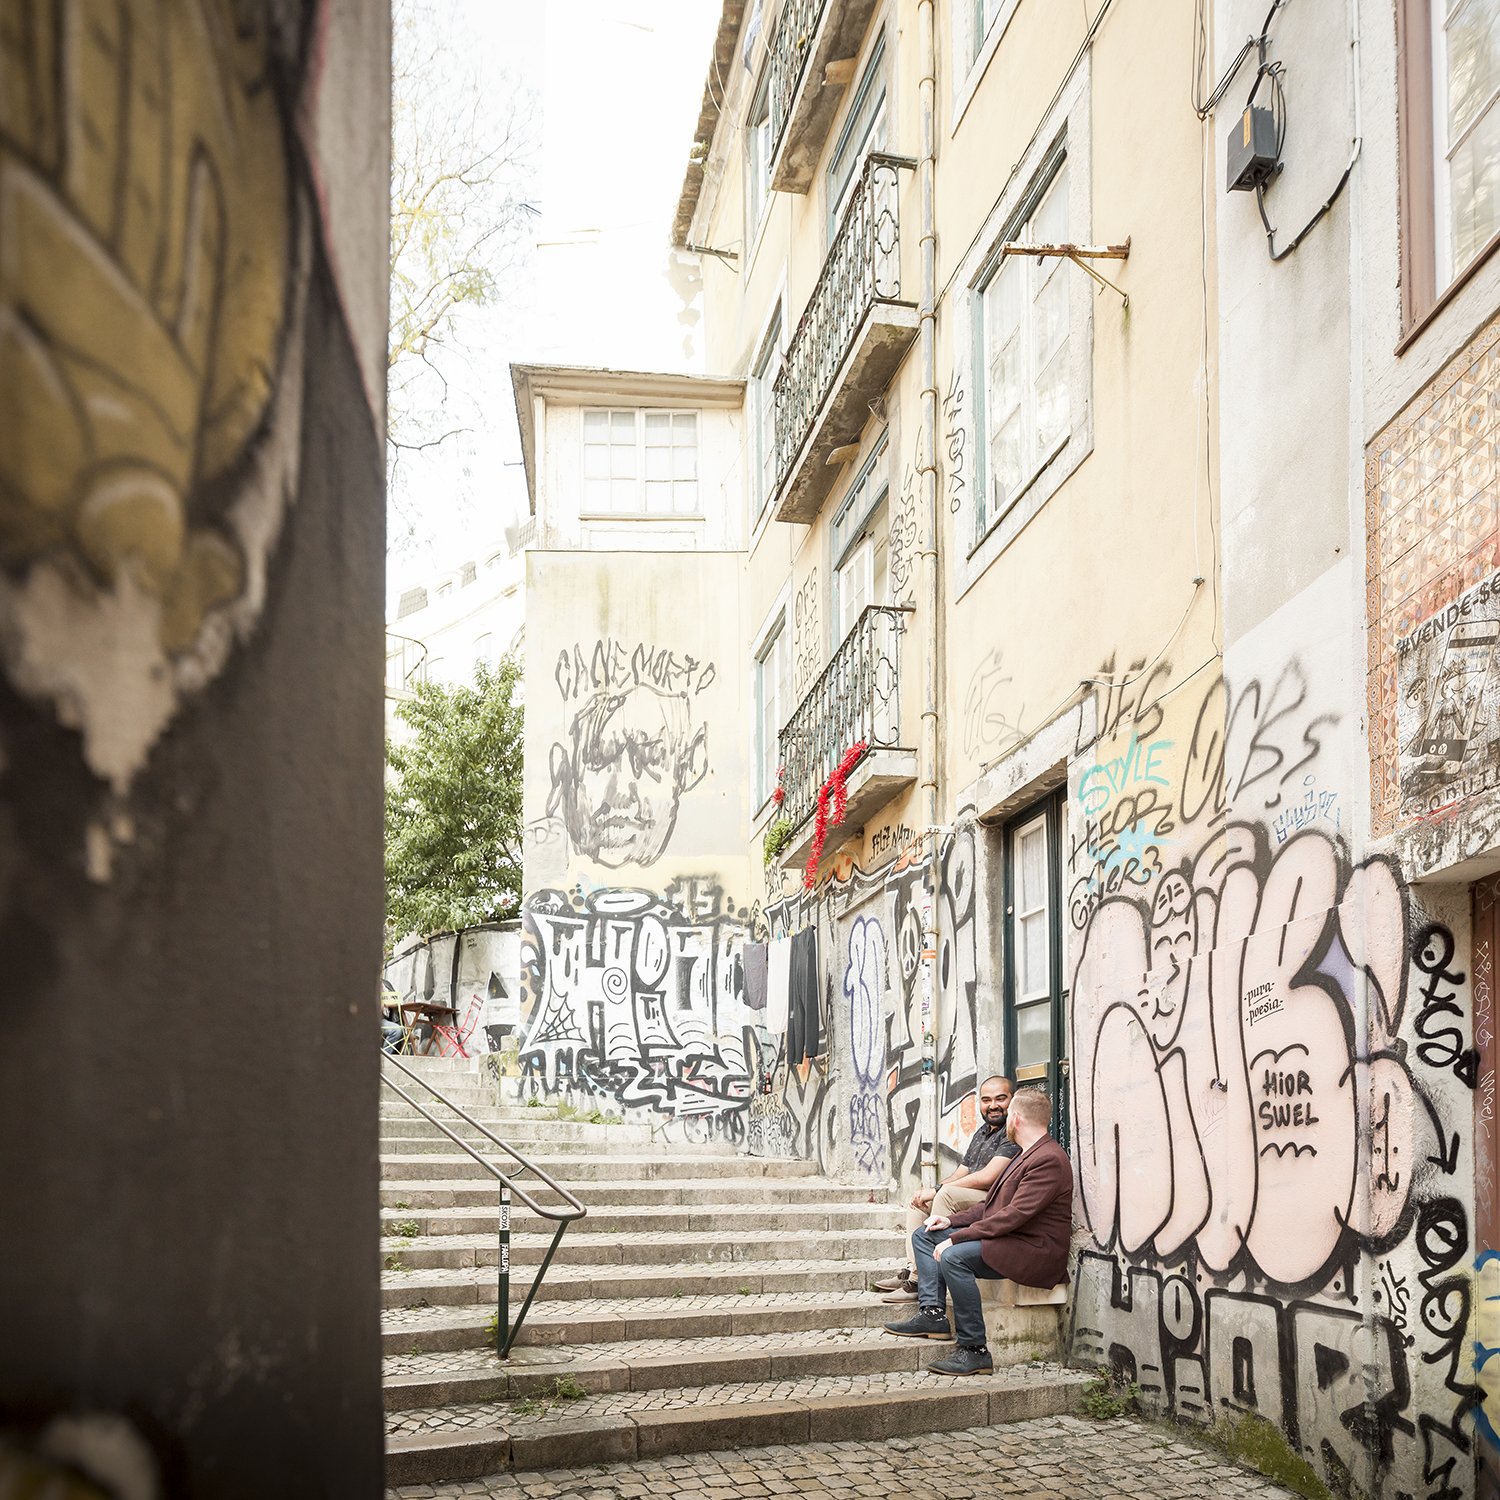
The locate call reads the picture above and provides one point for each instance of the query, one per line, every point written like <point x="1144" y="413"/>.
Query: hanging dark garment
<point x="803" y="1036"/>
<point x="756" y="956"/>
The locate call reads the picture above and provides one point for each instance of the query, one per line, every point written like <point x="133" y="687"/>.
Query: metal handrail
<point x="505" y="1333"/>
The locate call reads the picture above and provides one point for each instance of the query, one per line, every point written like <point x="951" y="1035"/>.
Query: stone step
<point x="521" y="1134"/>
<point x="440" y="1329"/>
<point x="453" y="1164"/>
<point x="482" y="1191"/>
<point x="579" y="1283"/>
<point x="669" y="1218"/>
<point x="461" y="1251"/>
<point x="475" y="1375"/>
<point x="432" y="1445"/>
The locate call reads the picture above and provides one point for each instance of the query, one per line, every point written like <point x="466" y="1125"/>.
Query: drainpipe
<point x="927" y="469"/>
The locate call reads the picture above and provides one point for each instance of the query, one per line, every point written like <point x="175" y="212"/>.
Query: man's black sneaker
<point x="964" y="1361"/>
<point x="929" y="1323"/>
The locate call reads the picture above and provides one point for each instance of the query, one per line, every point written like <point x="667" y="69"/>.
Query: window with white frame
<point x="640" y="462"/>
<point x="763" y="412"/>
<point x="858" y="538"/>
<point x="757" y="158"/>
<point x="1023" y="351"/>
<point x="983" y="17"/>
<point x="863" y="132"/>
<point x="773" y="674"/>
<point x="1466" y="130"/>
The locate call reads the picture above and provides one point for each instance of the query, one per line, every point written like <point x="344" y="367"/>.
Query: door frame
<point x="1051" y="806"/>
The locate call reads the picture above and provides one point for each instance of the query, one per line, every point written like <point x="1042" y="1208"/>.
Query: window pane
<point x="595" y="425"/>
<point x="1049" y="318"/>
<point x="685" y="426"/>
<point x="596" y="495"/>
<point x="623" y="494"/>
<point x="684" y="463"/>
<point x="1031" y="866"/>
<point x="658" y="497"/>
<point x="1053" y="405"/>
<point x="595" y="461"/>
<point x="1473" y="42"/>
<point x="1033" y="1034"/>
<point x="658" y="462"/>
<point x="1476" y="189"/>
<point x="1049" y="220"/>
<point x="622" y="424"/>
<point x="1005" y="463"/>
<point x="622" y="461"/>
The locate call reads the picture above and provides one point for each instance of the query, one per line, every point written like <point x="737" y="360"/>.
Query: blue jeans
<point x="957" y="1276"/>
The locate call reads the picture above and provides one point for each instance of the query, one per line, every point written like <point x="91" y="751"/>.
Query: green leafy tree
<point x="453" y="805"/>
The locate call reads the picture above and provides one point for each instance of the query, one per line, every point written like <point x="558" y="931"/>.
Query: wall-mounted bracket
<point x="1080" y="255"/>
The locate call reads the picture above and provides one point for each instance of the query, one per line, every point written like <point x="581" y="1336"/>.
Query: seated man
<point x="1020" y="1231"/>
<point x="963" y="1187"/>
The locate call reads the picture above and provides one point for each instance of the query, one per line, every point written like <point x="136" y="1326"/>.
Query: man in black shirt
<point x="963" y="1187"/>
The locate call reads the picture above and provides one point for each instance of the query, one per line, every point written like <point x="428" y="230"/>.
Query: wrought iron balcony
<point x="405" y="666"/>
<point x="809" y="35"/>
<point x="857" y="698"/>
<point x="852" y="336"/>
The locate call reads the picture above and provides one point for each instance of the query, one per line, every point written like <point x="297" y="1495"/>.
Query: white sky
<point x="620" y="83"/>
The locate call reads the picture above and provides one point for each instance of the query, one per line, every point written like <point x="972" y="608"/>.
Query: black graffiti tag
<point x="1442" y="1045"/>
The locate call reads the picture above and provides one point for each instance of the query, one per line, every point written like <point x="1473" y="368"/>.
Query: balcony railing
<point x="405" y="665"/>
<point x="791" y="46"/>
<point x="863" y="270"/>
<point x="857" y="698"/>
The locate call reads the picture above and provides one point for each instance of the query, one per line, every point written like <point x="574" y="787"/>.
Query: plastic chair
<point x="456" y="1036"/>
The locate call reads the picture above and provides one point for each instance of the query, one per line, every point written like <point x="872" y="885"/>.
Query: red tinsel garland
<point x="836" y="788"/>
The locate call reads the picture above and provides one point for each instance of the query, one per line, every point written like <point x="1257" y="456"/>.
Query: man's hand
<point x="937" y="1250"/>
<point x="937" y="1222"/>
<point x="923" y="1197"/>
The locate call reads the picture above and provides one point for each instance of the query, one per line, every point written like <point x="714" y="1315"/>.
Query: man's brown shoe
<point x="906" y="1292"/>
<point x="894" y="1283"/>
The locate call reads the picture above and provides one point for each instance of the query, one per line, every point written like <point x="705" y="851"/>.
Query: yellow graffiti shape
<point x="144" y="268"/>
<point x="1487" y="1343"/>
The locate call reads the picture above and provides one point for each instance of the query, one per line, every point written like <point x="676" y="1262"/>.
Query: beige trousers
<point x="948" y="1201"/>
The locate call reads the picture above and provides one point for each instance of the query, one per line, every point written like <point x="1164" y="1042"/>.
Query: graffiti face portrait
<point x="619" y="780"/>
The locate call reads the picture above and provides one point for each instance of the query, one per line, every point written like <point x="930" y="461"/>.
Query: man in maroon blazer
<point x="1020" y="1231"/>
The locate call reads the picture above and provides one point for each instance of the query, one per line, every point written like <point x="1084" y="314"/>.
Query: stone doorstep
<point x="408" y="1289"/>
<point x="598" y="1374"/>
<point x="553" y="1443"/>
<point x="768" y="1244"/>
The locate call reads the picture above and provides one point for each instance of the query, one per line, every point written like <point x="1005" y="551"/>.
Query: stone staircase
<point x="709" y="1300"/>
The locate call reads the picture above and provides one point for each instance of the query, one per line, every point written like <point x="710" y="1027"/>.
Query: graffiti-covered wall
<point x="636" y="904"/>
<point x="193" y="265"/>
<point x="1270" y="1048"/>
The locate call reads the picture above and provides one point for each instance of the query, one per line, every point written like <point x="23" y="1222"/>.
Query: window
<point x="763" y="412"/>
<point x="985" y="14"/>
<point x="1466" y="129"/>
<point x="863" y="132"/>
<point x="642" y="462"/>
<point x="773" y="672"/>
<point x="859" y="537"/>
<point x="1035" y="1023"/>
<point x="484" y="650"/>
<point x="1023" y="328"/>
<point x="757" y="159"/>
<point x="444" y="589"/>
<point x="1449" y="52"/>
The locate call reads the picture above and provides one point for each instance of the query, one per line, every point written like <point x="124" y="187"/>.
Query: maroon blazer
<point x="1025" y="1223"/>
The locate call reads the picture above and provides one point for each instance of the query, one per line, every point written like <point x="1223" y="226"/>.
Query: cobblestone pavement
<point x="1041" y="1460"/>
<point x="515" y="1415"/>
